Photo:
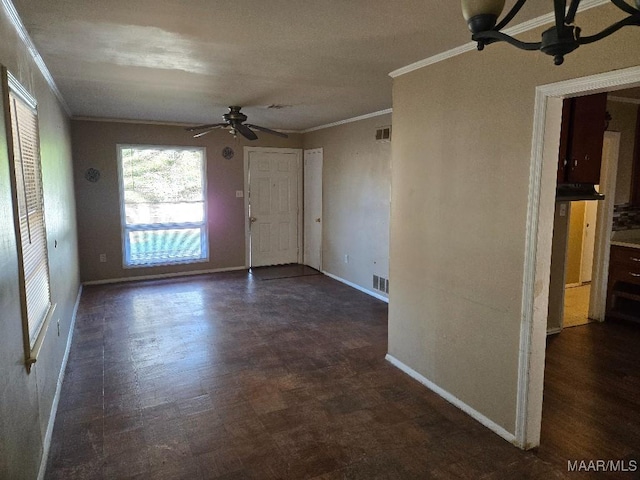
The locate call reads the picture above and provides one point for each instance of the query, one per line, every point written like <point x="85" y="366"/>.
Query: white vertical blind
<point x="33" y="238"/>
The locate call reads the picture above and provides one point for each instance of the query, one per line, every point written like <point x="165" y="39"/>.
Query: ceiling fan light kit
<point x="563" y="38"/>
<point x="234" y="120"/>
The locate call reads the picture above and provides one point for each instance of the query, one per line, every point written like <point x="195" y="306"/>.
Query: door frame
<point x="604" y="223"/>
<point x="539" y="233"/>
<point x="319" y="150"/>
<point x="247" y="198"/>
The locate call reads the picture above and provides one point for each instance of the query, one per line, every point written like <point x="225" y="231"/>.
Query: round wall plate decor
<point x="92" y="175"/>
<point x="227" y="152"/>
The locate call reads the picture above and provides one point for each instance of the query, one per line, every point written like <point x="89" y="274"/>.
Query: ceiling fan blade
<point x="245" y="131"/>
<point x="267" y="130"/>
<point x="197" y="135"/>
<point x="202" y="127"/>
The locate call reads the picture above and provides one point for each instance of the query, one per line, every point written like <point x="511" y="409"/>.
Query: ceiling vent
<point x="383" y="134"/>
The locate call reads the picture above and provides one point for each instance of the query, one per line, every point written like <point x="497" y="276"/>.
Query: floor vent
<point x="381" y="283"/>
<point x="383" y="134"/>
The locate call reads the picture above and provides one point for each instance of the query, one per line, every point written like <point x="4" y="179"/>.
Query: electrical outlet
<point x="239" y="194"/>
<point x="563" y="209"/>
<point x="103" y="258"/>
<point x="346" y="258"/>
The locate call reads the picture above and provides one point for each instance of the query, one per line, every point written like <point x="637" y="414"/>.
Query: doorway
<point x="579" y="259"/>
<point x="313" y="208"/>
<point x="538" y="242"/>
<point x="273" y="206"/>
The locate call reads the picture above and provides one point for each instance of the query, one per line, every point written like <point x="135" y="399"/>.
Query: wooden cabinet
<point x="581" y="139"/>
<point x="635" y="173"/>
<point x="623" y="290"/>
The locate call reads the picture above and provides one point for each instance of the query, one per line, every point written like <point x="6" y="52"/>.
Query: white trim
<point x="635" y="101"/>
<point x="46" y="442"/>
<point x="19" y="90"/>
<point x="16" y="21"/>
<point x="134" y="121"/>
<point x="490" y="424"/>
<point x="160" y="276"/>
<point x="356" y="286"/>
<point x="604" y="225"/>
<point x="537" y="261"/>
<point x="512" y="31"/>
<point x="349" y="120"/>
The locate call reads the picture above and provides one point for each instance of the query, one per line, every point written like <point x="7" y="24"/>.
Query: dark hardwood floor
<point x="230" y="377"/>
<point x="591" y="406"/>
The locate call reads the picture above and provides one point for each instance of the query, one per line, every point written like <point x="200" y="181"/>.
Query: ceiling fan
<point x="235" y="119"/>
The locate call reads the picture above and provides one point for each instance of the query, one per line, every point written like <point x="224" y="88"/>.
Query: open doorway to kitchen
<point x="543" y="209"/>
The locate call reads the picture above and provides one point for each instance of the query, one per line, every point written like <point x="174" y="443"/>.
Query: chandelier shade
<point x="559" y="40"/>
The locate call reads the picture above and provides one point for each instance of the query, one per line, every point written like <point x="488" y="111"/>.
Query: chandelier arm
<point x="624" y="6"/>
<point x="509" y="16"/>
<point x="632" y="20"/>
<point x="493" y="36"/>
<point x="559" y="8"/>
<point x="571" y="14"/>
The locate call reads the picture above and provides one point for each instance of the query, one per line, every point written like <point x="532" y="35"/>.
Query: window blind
<point x="30" y="208"/>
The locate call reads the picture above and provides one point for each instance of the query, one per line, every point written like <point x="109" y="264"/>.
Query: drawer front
<point x="626" y="256"/>
<point x="629" y="275"/>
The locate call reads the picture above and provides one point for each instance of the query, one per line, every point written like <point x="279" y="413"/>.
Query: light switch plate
<point x="239" y="194"/>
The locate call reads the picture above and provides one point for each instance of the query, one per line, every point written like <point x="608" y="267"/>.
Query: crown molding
<point x="132" y="121"/>
<point x="16" y="21"/>
<point x="349" y="120"/>
<point x="512" y="31"/>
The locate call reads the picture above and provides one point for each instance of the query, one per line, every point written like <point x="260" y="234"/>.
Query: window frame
<point x="33" y="338"/>
<point x="125" y="229"/>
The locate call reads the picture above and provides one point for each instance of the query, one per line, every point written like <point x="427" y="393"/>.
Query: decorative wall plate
<point x="92" y="175"/>
<point x="227" y="152"/>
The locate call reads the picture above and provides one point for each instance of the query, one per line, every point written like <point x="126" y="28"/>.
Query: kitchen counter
<point x="626" y="238"/>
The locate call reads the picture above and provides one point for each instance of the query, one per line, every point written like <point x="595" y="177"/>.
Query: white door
<point x="313" y="208"/>
<point x="588" y="240"/>
<point x="273" y="205"/>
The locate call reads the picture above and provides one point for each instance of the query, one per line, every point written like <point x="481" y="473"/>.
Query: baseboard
<point x="553" y="331"/>
<point x="490" y="424"/>
<point x="160" y="276"/>
<point x="357" y="287"/>
<point x="46" y="443"/>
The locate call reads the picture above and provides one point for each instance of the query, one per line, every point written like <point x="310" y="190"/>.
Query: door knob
<point x="253" y="219"/>
<point x="318" y="220"/>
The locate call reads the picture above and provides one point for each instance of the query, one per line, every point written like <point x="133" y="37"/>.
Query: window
<point x="29" y="221"/>
<point x="162" y="196"/>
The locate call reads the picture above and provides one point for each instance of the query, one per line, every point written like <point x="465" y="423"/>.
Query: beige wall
<point x="460" y="174"/>
<point x="623" y="120"/>
<point x="95" y="146"/>
<point x="356" y="196"/>
<point x="26" y="399"/>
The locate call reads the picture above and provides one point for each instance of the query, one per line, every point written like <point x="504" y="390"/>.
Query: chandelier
<point x="564" y="37"/>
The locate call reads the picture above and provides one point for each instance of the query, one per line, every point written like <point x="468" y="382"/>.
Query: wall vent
<point x="383" y="134"/>
<point x="381" y="283"/>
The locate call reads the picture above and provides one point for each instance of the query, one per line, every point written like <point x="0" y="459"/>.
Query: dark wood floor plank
<point x="229" y="377"/>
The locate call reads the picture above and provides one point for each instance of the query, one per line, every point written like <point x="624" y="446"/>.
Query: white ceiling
<point x="185" y="61"/>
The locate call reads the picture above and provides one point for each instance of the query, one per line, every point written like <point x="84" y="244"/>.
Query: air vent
<point x="383" y="134"/>
<point x="381" y="283"/>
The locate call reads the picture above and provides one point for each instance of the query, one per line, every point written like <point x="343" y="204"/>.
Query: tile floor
<point x="228" y="377"/>
<point x="576" y="305"/>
